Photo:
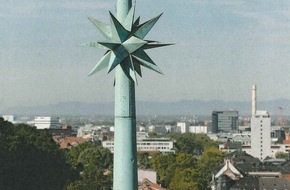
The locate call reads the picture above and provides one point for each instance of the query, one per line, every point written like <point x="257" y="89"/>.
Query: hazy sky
<point x="221" y="48"/>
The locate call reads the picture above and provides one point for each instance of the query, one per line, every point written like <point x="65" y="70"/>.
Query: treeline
<point x="30" y="159"/>
<point x="190" y="168"/>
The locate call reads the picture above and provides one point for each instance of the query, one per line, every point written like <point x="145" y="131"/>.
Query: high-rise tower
<point x="261" y="135"/>
<point x="225" y="121"/>
<point x="260" y="130"/>
<point x="254" y="100"/>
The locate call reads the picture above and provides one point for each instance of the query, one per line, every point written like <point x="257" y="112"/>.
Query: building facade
<point x="47" y="123"/>
<point x="198" y="129"/>
<point x="163" y="145"/>
<point x="261" y="135"/>
<point x="182" y="127"/>
<point x="225" y="121"/>
<point x="9" y="118"/>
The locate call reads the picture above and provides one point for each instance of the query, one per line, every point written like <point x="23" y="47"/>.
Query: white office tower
<point x="9" y="118"/>
<point x="261" y="135"/>
<point x="47" y="122"/>
<point x="183" y="128"/>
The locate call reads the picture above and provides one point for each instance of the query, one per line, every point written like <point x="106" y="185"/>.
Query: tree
<point x="184" y="176"/>
<point x="202" y="141"/>
<point x="98" y="156"/>
<point x="30" y="159"/>
<point x="185" y="143"/>
<point x="282" y="155"/>
<point x="97" y="164"/>
<point x="77" y="150"/>
<point x="184" y="179"/>
<point x="165" y="166"/>
<point x="210" y="159"/>
<point x="193" y="143"/>
<point x="143" y="160"/>
<point x="184" y="160"/>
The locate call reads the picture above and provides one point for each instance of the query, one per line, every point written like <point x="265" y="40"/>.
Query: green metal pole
<point x="125" y="150"/>
<point x="125" y="52"/>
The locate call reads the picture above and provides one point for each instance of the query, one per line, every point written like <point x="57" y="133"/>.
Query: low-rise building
<point x="9" y="118"/>
<point x="244" y="172"/>
<point x="182" y="127"/>
<point x="164" y="145"/>
<point x="198" y="129"/>
<point x="47" y="122"/>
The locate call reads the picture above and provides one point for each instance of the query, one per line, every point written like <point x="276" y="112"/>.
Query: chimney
<point x="254" y="100"/>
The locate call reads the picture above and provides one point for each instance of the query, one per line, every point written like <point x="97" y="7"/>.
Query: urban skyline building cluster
<point x="257" y="136"/>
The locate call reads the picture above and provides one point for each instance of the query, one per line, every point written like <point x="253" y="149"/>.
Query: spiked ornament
<point x="126" y="45"/>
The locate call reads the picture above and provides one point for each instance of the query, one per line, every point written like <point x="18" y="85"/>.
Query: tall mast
<point x="125" y="53"/>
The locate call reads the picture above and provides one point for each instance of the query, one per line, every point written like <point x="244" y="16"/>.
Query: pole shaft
<point x="125" y="151"/>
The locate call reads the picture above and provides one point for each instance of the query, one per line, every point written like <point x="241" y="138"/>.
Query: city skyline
<point x="221" y="49"/>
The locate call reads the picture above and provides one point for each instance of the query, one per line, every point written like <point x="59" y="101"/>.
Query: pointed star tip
<point x="91" y="19"/>
<point x="109" y="70"/>
<point x="160" y="15"/>
<point x="160" y="72"/>
<point x="82" y="45"/>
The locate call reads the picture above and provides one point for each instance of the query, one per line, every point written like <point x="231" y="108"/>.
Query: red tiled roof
<point x="148" y="185"/>
<point x="68" y="142"/>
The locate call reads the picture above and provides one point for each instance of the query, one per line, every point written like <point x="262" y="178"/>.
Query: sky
<point x="222" y="48"/>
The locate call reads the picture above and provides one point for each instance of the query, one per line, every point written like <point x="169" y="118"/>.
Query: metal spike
<point x="109" y="45"/>
<point x="93" y="45"/>
<point x="137" y="22"/>
<point x="128" y="22"/>
<point x="103" y="28"/>
<point x="144" y="28"/>
<point x="146" y="61"/>
<point x="118" y="56"/>
<point x="132" y="71"/>
<point x="103" y="63"/>
<point x="119" y="33"/>
<point x="155" y="45"/>
<point x="137" y="67"/>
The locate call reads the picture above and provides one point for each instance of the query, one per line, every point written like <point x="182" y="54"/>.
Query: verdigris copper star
<point x="126" y="45"/>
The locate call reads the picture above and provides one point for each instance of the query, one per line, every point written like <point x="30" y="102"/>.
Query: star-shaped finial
<point x="126" y="45"/>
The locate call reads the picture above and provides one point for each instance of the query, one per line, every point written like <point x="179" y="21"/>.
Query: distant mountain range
<point x="185" y="107"/>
